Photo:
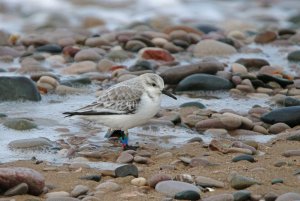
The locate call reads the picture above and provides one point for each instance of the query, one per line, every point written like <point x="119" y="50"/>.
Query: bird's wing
<point x="116" y="100"/>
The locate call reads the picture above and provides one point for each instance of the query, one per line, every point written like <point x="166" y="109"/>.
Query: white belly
<point x="147" y="109"/>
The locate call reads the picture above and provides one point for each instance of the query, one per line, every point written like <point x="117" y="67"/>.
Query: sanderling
<point x="127" y="104"/>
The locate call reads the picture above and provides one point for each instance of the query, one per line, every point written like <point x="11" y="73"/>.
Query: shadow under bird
<point x="126" y="105"/>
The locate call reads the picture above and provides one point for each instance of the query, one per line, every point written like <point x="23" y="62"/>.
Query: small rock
<point x="96" y="178"/>
<point x="19" y="189"/>
<point x="242" y="195"/>
<point x="290" y="196"/>
<point x="57" y="194"/>
<point x="62" y="199"/>
<point x="208" y="182"/>
<point x="221" y="197"/>
<point x="140" y="181"/>
<point x="265" y="37"/>
<point x="33" y="143"/>
<point x="253" y="62"/>
<point x="156" y="178"/>
<point x="278" y="128"/>
<point x="50" y="48"/>
<point x="125" y="158"/>
<point x="244" y="157"/>
<point x="210" y="47"/>
<point x="109" y="186"/>
<point x="270" y="196"/>
<point x="187" y="195"/>
<point x="80" y="67"/>
<point x="276" y="181"/>
<point x="290" y="153"/>
<point x="156" y="54"/>
<point x="241" y="182"/>
<point x="171" y="188"/>
<point x="87" y="55"/>
<point x="140" y="159"/>
<point x="279" y="115"/>
<point x="238" y="68"/>
<point x="294" y="56"/>
<point x="19" y="124"/>
<point x="79" y="190"/>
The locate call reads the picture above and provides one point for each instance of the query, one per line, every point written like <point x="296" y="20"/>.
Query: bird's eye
<point x="153" y="84"/>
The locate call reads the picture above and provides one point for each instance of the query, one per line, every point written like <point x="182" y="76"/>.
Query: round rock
<point x="171" y="188"/>
<point x="210" y="47"/>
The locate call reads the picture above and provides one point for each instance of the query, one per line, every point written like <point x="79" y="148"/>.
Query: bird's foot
<point x="129" y="147"/>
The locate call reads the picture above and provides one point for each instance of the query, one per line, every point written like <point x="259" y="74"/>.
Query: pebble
<point x="19" y="124"/>
<point x="241" y="182"/>
<point x="125" y="158"/>
<point x="210" y="47"/>
<point x="270" y="196"/>
<point x="19" y="189"/>
<point x="252" y="62"/>
<point x="156" y="178"/>
<point x="18" y="88"/>
<point x="278" y="116"/>
<point x="288" y="196"/>
<point x="87" y="55"/>
<point x="198" y="82"/>
<point x="242" y="195"/>
<point x="57" y="194"/>
<point x="171" y="188"/>
<point x="290" y="153"/>
<point x="118" y="55"/>
<point x="96" y="178"/>
<point x="109" y="186"/>
<point x="156" y="54"/>
<point x="140" y="159"/>
<point x="135" y="45"/>
<point x="50" y="48"/>
<point x="184" y="178"/>
<point x="220" y="197"/>
<point x="96" y="42"/>
<point x="208" y="182"/>
<point x="79" y="190"/>
<point x="278" y="128"/>
<point x="238" y="68"/>
<point x="265" y="37"/>
<point x="244" y="157"/>
<point x="80" y="68"/>
<point x="187" y="195"/>
<point x="62" y="199"/>
<point x="8" y="51"/>
<point x="276" y="181"/>
<point x="32" y="143"/>
<point x="140" y="181"/>
<point x="294" y="137"/>
<point x="294" y="56"/>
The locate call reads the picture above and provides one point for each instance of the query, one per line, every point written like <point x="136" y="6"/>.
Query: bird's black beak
<point x="168" y="94"/>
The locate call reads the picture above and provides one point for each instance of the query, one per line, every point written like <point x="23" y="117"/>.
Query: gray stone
<point x="208" y="182"/>
<point x="30" y="143"/>
<point x="198" y="82"/>
<point x="125" y="158"/>
<point x="79" y="190"/>
<point x="287" y="115"/>
<point x="240" y="182"/>
<point x="290" y="196"/>
<point x="156" y="178"/>
<point x="221" y="197"/>
<point x="187" y="195"/>
<point x="19" y="124"/>
<point x="18" y="88"/>
<point x="171" y="188"/>
<point x="242" y="195"/>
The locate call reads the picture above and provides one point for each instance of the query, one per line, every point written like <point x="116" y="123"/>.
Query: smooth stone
<point x="8" y="51"/>
<point x="252" y="62"/>
<point x="265" y="37"/>
<point x="175" y="74"/>
<point x="240" y="182"/>
<point x="80" y="68"/>
<point x="208" y="182"/>
<point x="269" y="78"/>
<point x="135" y="45"/>
<point x="193" y="104"/>
<point x="246" y="145"/>
<point x="19" y="189"/>
<point x="198" y="161"/>
<point x="57" y="194"/>
<point x="198" y="82"/>
<point x="13" y="176"/>
<point x="109" y="186"/>
<point x="287" y="115"/>
<point x="280" y="164"/>
<point x="50" y="48"/>
<point x="290" y="196"/>
<point x="96" y="42"/>
<point x="96" y="178"/>
<point x="242" y="195"/>
<point x="294" y="137"/>
<point x="62" y="199"/>
<point x="18" y="88"/>
<point x="65" y="90"/>
<point x="87" y="55"/>
<point x="238" y="68"/>
<point x="117" y="170"/>
<point x="141" y="159"/>
<point x="276" y="181"/>
<point x="220" y="197"/>
<point x="156" y="178"/>
<point x="207" y="28"/>
<point x="278" y="128"/>
<point x="76" y="82"/>
<point x="290" y="153"/>
<point x="142" y="65"/>
<point x="125" y="158"/>
<point x="290" y="101"/>
<point x="187" y="195"/>
<point x="270" y="196"/>
<point x="244" y="157"/>
<point x="19" y="124"/>
<point x="32" y="143"/>
<point x="140" y="181"/>
<point x="208" y="47"/>
<point x="294" y="56"/>
<point x="79" y="190"/>
<point x="118" y="55"/>
<point x="171" y="188"/>
<point x="158" y="54"/>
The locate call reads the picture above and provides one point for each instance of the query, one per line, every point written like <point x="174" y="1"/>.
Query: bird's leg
<point x="124" y="141"/>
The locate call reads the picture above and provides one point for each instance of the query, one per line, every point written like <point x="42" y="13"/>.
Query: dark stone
<point x="276" y="181"/>
<point x="287" y="115"/>
<point x="142" y="65"/>
<point x="286" y="32"/>
<point x="187" y="195"/>
<point x="295" y="19"/>
<point x="175" y="74"/>
<point x="2" y="115"/>
<point x="227" y="41"/>
<point x="289" y="101"/>
<point x="195" y="139"/>
<point x="50" y="48"/>
<point x="77" y="82"/>
<point x="252" y="62"/>
<point x="203" y="82"/>
<point x="242" y="195"/>
<point x="294" y="56"/>
<point x="244" y="157"/>
<point x="268" y="78"/>
<point x="18" y="88"/>
<point x="295" y="137"/>
<point x="258" y="83"/>
<point x="96" y="178"/>
<point x="297" y="172"/>
<point x="205" y="28"/>
<point x="193" y="104"/>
